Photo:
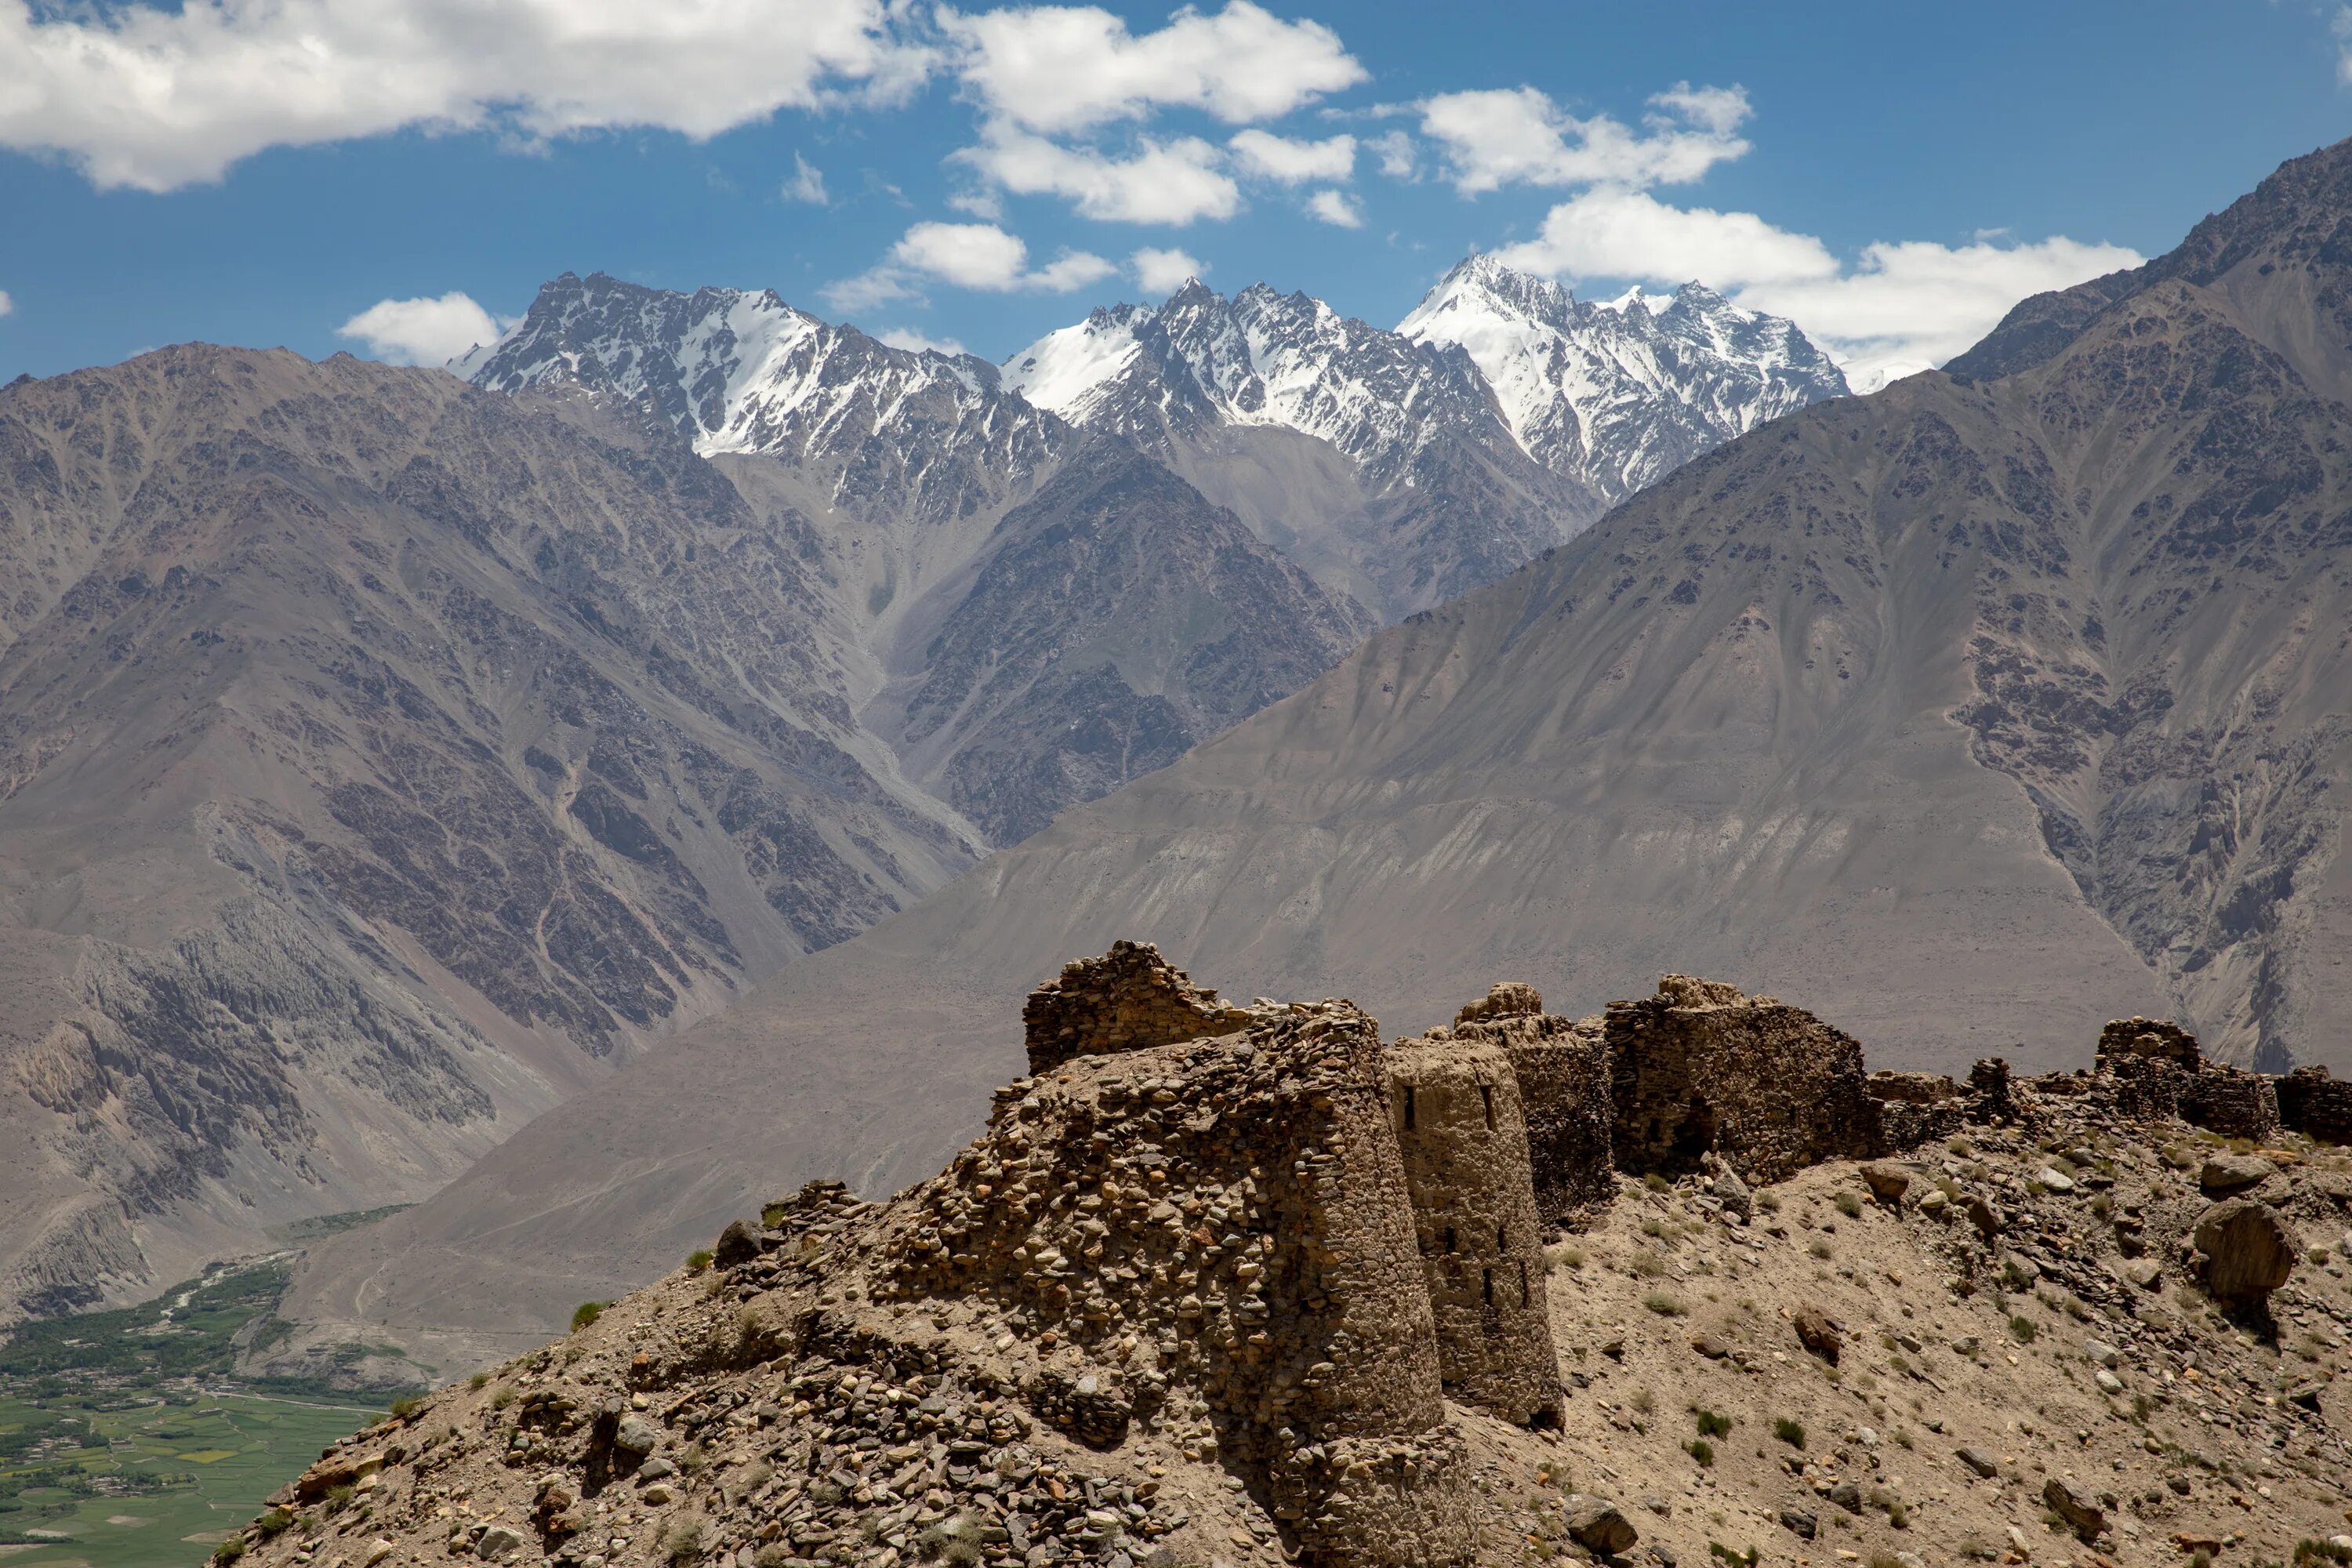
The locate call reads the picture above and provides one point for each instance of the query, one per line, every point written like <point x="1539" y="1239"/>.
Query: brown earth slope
<point x="1972" y="713"/>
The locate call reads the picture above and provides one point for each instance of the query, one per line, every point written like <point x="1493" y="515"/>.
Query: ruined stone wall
<point x="1916" y="1108"/>
<point x="1235" y="1209"/>
<point x="1128" y="999"/>
<point x="1454" y="1103"/>
<point x="2231" y="1101"/>
<point x="1769" y="1087"/>
<point x="2158" y="1040"/>
<point x="1561" y="1068"/>
<point x="2317" y="1104"/>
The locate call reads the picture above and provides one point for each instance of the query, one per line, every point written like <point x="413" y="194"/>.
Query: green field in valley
<point x="152" y="1485"/>
<point x="128" y="1440"/>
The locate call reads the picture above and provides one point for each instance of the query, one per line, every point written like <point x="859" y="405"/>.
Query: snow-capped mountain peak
<point x="1619" y="394"/>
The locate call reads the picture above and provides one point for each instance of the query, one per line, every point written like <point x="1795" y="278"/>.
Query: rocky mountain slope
<point x="1035" y="614"/>
<point x="384" y="760"/>
<point x="1972" y="713"/>
<point x="1501" y="417"/>
<point x="1254" y="1285"/>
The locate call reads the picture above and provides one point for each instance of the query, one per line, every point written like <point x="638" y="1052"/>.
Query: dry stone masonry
<point x="1253" y="1286"/>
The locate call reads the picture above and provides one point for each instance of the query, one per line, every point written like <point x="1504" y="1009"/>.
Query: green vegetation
<point x="1790" y="1432"/>
<point x="586" y="1313"/>
<point x="698" y="1259"/>
<point x="1702" y="1451"/>
<point x="2022" y="1329"/>
<point x="1711" y="1423"/>
<point x="128" y="1440"/>
<point x="1850" y="1204"/>
<point x="321" y="1225"/>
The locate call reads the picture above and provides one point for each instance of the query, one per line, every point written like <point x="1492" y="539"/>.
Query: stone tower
<point x="1455" y="1105"/>
<point x="1562" y="1070"/>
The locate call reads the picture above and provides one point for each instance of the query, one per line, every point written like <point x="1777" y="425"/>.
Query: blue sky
<point x="269" y="171"/>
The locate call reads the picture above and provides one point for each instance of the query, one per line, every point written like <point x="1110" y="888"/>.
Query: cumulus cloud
<point x="155" y="98"/>
<point x="1502" y="136"/>
<point x="2342" y="28"/>
<point x="423" y="330"/>
<point x="1335" y="208"/>
<point x="907" y="338"/>
<point x="6" y="304"/>
<point x="1060" y="69"/>
<point x="1163" y="183"/>
<point x="1898" y="305"/>
<point x="1291" y="161"/>
<point x="977" y="255"/>
<point x="1400" y="157"/>
<point x="807" y="184"/>
<point x="1161" y="271"/>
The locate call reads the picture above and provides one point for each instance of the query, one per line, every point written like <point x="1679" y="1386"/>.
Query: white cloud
<point x="155" y="98"/>
<point x="807" y="184"/>
<point x="1294" y="162"/>
<point x="1070" y="68"/>
<point x="7" y="306"/>
<point x="1902" y="304"/>
<point x="1400" y="157"/>
<point x="2342" y="28"/>
<point x="1335" y="208"/>
<point x="422" y="330"/>
<point x="977" y="255"/>
<point x="1164" y="271"/>
<point x="907" y="338"/>
<point x="1166" y="183"/>
<point x="1505" y="136"/>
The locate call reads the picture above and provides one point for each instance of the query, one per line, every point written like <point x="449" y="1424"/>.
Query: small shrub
<point x="1663" y="1304"/>
<point x="479" y="1381"/>
<point x="1702" y="1451"/>
<point x="275" y="1523"/>
<point x="2022" y="1327"/>
<point x="695" y="1459"/>
<point x="825" y="1494"/>
<point x="776" y="1555"/>
<point x="340" y="1499"/>
<point x="1647" y="1263"/>
<point x="1821" y="1249"/>
<point x="586" y="1313"/>
<point x="1770" y="1204"/>
<point x="1747" y="1559"/>
<point x="1564" y="1255"/>
<point x="229" y="1551"/>
<point x="502" y="1398"/>
<point x="953" y="1542"/>
<point x="1850" y="1204"/>
<point x="1656" y="1183"/>
<point x="1711" y="1424"/>
<point x="1790" y="1432"/>
<point x="1644" y="1401"/>
<point x="698" y="1259"/>
<point x="406" y="1405"/>
<point x="681" y="1539"/>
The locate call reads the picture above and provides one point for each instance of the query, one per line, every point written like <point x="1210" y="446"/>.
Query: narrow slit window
<point x="1523" y="1281"/>
<point x="1501" y="1239"/>
<point x="1408" y="1107"/>
<point x="1486" y="1284"/>
<point x="1486" y="1098"/>
<point x="1449" y="1238"/>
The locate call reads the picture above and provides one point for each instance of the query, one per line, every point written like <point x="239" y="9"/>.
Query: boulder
<point x="2248" y="1247"/>
<point x="498" y="1541"/>
<point x="1799" y="1523"/>
<point x="1820" y="1334"/>
<point x="2226" y="1175"/>
<point x="736" y="1244"/>
<point x="1888" y="1182"/>
<point x="636" y="1434"/>
<point x="1597" y="1525"/>
<point x="1982" y="1464"/>
<point x="2079" y="1509"/>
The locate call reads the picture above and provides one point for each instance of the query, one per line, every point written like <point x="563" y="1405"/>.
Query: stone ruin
<point x="2159" y="1069"/>
<point x="1304" y="1250"/>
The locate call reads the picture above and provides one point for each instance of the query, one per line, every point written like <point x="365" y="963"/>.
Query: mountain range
<point x="1976" y="712"/>
<point x="388" y="759"/>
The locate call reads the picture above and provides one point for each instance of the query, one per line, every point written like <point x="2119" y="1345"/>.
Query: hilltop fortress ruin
<point x="1250" y="1284"/>
<point x="1305" y="1241"/>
